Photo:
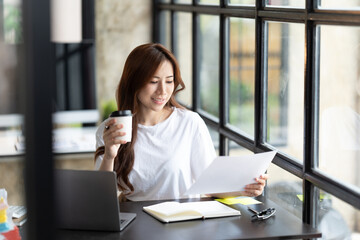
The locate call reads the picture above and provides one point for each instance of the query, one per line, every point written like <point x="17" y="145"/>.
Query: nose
<point x="161" y="88"/>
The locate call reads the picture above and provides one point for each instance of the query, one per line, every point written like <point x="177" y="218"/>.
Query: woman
<point x="170" y="145"/>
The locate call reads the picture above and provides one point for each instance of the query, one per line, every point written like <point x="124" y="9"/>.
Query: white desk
<point x="65" y="140"/>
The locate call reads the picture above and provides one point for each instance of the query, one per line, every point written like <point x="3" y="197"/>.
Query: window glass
<point x="75" y="81"/>
<point x="215" y="138"/>
<point x="241" y="74"/>
<point x="11" y="116"/>
<point x="210" y="2"/>
<point x="75" y="88"/>
<point x="285" y="189"/>
<point x="165" y="20"/>
<point x="61" y="86"/>
<point x="208" y="55"/>
<point x="184" y="54"/>
<point x="337" y="219"/>
<point x="12" y="30"/>
<point x="183" y="1"/>
<point x="285" y="75"/>
<point x="286" y="3"/>
<point x="72" y="47"/>
<point x="237" y="150"/>
<point x="339" y="127"/>
<point x="343" y="5"/>
<point x="242" y="2"/>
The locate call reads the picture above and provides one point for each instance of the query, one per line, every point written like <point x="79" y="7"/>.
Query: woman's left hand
<point x="251" y="190"/>
<point x="255" y="189"/>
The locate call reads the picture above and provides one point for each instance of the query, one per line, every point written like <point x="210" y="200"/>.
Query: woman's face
<point x="158" y="91"/>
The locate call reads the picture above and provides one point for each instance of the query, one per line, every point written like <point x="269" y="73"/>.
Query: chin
<point x="157" y="108"/>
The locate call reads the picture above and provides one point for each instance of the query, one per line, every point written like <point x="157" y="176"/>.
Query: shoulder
<point x="187" y="115"/>
<point x="189" y="118"/>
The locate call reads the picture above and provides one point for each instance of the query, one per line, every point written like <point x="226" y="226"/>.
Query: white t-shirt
<point x="169" y="156"/>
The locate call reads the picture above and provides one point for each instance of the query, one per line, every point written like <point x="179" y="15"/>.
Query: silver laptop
<point x="87" y="200"/>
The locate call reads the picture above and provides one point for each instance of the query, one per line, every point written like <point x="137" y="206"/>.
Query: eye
<point x="170" y="79"/>
<point x="153" y="81"/>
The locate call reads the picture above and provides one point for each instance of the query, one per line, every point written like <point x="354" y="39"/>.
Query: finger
<point x="110" y="130"/>
<point x="251" y="193"/>
<point x="255" y="187"/>
<point x="110" y="123"/>
<point x="260" y="181"/>
<point x="264" y="176"/>
<point x="116" y="142"/>
<point x="115" y="135"/>
<point x="113" y="138"/>
<point x="254" y="193"/>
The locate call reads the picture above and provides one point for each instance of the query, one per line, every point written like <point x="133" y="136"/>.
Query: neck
<point x="151" y="118"/>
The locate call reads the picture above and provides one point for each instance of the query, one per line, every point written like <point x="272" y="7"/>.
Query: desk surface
<point x="65" y="141"/>
<point x="282" y="226"/>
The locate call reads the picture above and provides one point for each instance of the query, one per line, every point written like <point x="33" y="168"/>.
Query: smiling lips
<point x="158" y="100"/>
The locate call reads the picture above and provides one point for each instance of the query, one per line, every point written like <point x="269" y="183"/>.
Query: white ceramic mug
<point x="125" y="118"/>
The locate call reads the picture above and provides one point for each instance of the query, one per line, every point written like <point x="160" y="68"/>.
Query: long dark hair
<point x="140" y="66"/>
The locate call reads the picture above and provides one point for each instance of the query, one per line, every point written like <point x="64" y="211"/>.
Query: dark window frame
<point x="311" y="17"/>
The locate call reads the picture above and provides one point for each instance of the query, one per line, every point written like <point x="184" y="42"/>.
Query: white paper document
<point x="230" y="174"/>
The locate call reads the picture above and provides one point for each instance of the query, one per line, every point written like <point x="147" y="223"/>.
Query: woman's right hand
<point x="111" y="133"/>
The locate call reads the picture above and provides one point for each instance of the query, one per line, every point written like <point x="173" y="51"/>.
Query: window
<point x="241" y="74"/>
<point x="278" y="75"/>
<point x="183" y="53"/>
<point x="208" y="59"/>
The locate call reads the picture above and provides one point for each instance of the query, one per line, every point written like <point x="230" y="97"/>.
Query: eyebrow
<point x="165" y="77"/>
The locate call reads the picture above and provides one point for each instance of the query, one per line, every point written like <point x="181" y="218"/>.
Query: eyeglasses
<point x="265" y="214"/>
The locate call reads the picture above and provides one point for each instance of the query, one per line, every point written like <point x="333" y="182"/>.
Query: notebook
<point x="87" y="200"/>
<point x="175" y="211"/>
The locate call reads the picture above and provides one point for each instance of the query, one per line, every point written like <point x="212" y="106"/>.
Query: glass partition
<point x="183" y="52"/>
<point x="286" y="3"/>
<point x="336" y="219"/>
<point x="343" y="5"/>
<point x="165" y="37"/>
<point x="208" y="57"/>
<point x="285" y="189"/>
<point x="242" y="2"/>
<point x="237" y="150"/>
<point x="285" y="87"/>
<point x="11" y="116"/>
<point x="209" y="2"/>
<point x="339" y="111"/>
<point x="215" y="138"/>
<point x="242" y="74"/>
<point x="182" y="1"/>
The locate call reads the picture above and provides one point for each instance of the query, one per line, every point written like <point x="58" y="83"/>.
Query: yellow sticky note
<point x="236" y="200"/>
<point x="322" y="197"/>
<point x="300" y="197"/>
